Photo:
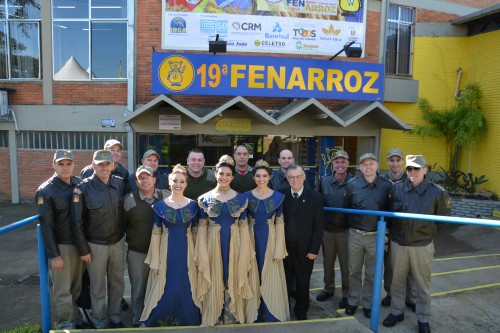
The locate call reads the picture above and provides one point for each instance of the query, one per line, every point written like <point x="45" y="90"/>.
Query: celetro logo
<point x="176" y="73"/>
<point x="178" y="25"/>
<point x="247" y="26"/>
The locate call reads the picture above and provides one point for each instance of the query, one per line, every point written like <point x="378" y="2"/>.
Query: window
<point x="20" y="39"/>
<point x="67" y="140"/>
<point x="90" y="39"/>
<point x="399" y="44"/>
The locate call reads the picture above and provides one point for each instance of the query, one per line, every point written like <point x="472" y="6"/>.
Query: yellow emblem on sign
<point x="40" y="200"/>
<point x="176" y="73"/>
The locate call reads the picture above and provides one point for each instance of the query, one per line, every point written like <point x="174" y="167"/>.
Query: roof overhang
<point x="374" y="111"/>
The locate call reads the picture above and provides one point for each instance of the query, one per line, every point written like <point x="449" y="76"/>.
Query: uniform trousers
<point x="106" y="274"/>
<point x="67" y="285"/>
<point x="335" y="244"/>
<point x="411" y="290"/>
<point x="417" y="261"/>
<point x="138" y="273"/>
<point x="361" y="251"/>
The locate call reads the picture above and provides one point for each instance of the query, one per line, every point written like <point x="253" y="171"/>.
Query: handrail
<point x="379" y="254"/>
<point x="379" y="248"/>
<point x="43" y="268"/>
<point x="18" y="224"/>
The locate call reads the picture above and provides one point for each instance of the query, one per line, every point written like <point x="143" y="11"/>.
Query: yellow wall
<point x="435" y="64"/>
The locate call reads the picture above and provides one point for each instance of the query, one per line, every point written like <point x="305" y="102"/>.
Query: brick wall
<point x="5" y="188"/>
<point x="93" y="93"/>
<point x="35" y="166"/>
<point x="29" y="93"/>
<point x="462" y="207"/>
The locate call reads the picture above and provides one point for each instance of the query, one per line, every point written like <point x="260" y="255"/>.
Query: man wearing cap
<point x="369" y="191"/>
<point x="395" y="160"/>
<point x="412" y="247"/>
<point x="200" y="180"/>
<point x="278" y="181"/>
<point x="53" y="198"/>
<point x="97" y="221"/>
<point x="243" y="179"/>
<point x="335" y="235"/>
<point x="138" y="220"/>
<point x="115" y="147"/>
<point x="150" y="159"/>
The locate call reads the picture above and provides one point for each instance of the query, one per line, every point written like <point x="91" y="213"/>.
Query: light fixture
<point x="217" y="45"/>
<point x="350" y="50"/>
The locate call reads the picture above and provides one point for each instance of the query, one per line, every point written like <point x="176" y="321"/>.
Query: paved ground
<point x="465" y="285"/>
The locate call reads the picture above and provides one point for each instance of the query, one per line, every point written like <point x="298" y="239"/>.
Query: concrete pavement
<point x="465" y="285"/>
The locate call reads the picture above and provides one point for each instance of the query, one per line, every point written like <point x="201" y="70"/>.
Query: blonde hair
<point x="178" y="168"/>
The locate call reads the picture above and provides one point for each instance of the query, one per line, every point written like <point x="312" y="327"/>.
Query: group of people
<point x="230" y="245"/>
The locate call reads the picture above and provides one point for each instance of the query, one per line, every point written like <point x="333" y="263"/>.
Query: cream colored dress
<point x="227" y="289"/>
<point x="267" y="231"/>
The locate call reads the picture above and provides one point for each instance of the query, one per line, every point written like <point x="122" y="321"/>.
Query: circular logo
<point x="176" y="73"/>
<point x="236" y="25"/>
<point x="257" y="43"/>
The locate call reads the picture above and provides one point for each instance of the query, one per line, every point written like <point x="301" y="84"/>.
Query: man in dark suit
<point x="303" y="211"/>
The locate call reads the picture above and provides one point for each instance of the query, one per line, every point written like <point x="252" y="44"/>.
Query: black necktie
<point x="295" y="195"/>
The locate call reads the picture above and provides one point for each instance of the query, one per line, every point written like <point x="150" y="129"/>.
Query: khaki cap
<point x="341" y="153"/>
<point x="149" y="153"/>
<point x="142" y="169"/>
<point x="112" y="142"/>
<point x="62" y="154"/>
<point x="367" y="156"/>
<point x="395" y="152"/>
<point x="417" y="161"/>
<point x="102" y="156"/>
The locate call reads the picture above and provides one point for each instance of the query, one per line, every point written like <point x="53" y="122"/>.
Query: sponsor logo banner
<point x="323" y="26"/>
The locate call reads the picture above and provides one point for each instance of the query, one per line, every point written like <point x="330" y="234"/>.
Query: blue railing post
<point x="377" y="278"/>
<point x="44" y="283"/>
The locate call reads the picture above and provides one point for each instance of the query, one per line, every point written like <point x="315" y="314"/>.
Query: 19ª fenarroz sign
<point x="230" y="75"/>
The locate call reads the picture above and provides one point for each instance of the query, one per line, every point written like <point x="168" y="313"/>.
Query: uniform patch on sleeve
<point x="40" y="201"/>
<point x="76" y="195"/>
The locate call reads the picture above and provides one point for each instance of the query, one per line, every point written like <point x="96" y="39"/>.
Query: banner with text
<point x="205" y="74"/>
<point x="320" y="27"/>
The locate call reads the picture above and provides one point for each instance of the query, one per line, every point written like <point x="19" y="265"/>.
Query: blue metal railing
<point x="379" y="254"/>
<point x="379" y="249"/>
<point x="43" y="268"/>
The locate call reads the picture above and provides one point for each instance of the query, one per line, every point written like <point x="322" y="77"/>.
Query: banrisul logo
<point x="178" y="25"/>
<point x="176" y="73"/>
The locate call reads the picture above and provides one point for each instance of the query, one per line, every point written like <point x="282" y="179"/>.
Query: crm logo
<point x="247" y="26"/>
<point x="178" y="25"/>
<point x="176" y="73"/>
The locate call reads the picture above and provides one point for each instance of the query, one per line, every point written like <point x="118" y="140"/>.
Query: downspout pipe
<point x="459" y="78"/>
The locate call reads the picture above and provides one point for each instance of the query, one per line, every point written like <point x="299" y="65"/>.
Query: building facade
<point x="74" y="74"/>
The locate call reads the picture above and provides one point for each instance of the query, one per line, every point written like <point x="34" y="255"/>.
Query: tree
<point x="459" y="127"/>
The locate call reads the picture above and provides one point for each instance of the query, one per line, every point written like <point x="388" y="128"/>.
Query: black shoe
<point x="116" y="325"/>
<point x="392" y="320"/>
<point x="301" y="317"/>
<point x="124" y="305"/>
<point x="367" y="313"/>
<point x="424" y="328"/>
<point x="350" y="310"/>
<point x="343" y="303"/>
<point x="323" y="296"/>
<point x="411" y="305"/>
<point x="386" y="301"/>
<point x="84" y="326"/>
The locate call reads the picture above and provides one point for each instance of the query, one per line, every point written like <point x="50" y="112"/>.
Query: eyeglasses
<point x="299" y="177"/>
<point x="413" y="169"/>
